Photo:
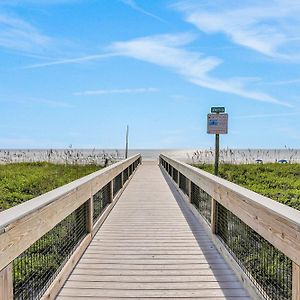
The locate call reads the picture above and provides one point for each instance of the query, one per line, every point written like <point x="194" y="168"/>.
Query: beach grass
<point x="20" y="182"/>
<point x="280" y="182"/>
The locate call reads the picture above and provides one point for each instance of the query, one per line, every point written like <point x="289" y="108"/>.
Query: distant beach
<point x="98" y="156"/>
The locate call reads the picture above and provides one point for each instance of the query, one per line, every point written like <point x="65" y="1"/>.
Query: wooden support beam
<point x="296" y="282"/>
<point x="6" y="283"/>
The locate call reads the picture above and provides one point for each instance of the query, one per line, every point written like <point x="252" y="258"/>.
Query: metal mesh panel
<point x="100" y="200"/>
<point x="170" y="170"/>
<point x="184" y="184"/>
<point x="202" y="201"/>
<point x="35" y="269"/>
<point x="117" y="183"/>
<point x="125" y="175"/>
<point x="268" y="268"/>
<point x="175" y="175"/>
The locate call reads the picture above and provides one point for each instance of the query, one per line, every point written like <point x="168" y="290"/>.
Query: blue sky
<point x="78" y="71"/>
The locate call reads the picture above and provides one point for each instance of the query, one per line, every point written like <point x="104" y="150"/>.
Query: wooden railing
<point x="259" y="237"/>
<point x="42" y="239"/>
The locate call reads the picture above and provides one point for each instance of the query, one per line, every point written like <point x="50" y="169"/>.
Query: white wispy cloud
<point x="65" y="61"/>
<point x="38" y="2"/>
<point x="133" y="5"/>
<point x="168" y="51"/>
<point x="256" y="116"/>
<point x="269" y="27"/>
<point x="117" y="91"/>
<point x="284" y="82"/>
<point x="20" y="35"/>
<point x="35" y="100"/>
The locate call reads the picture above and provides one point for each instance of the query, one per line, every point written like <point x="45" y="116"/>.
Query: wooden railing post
<point x="296" y="282"/>
<point x="6" y="283"/>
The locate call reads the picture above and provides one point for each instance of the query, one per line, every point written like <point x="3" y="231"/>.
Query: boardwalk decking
<point x="151" y="246"/>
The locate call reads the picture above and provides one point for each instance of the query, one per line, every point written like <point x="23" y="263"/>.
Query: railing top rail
<point x="275" y="208"/>
<point x="17" y="212"/>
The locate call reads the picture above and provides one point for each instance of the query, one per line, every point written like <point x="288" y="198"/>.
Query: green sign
<point x="217" y="110"/>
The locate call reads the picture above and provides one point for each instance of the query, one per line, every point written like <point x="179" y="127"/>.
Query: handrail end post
<point x="6" y="283"/>
<point x="296" y="282"/>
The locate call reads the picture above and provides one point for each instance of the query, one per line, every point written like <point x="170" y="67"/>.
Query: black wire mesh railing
<point x="170" y="170"/>
<point x="175" y="175"/>
<point x="117" y="184"/>
<point x="100" y="200"/>
<point x="130" y="170"/>
<point x="268" y="268"/>
<point x="35" y="269"/>
<point x="202" y="201"/>
<point x="125" y="175"/>
<point x="184" y="184"/>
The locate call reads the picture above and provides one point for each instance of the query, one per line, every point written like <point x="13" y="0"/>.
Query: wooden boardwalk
<point x="151" y="246"/>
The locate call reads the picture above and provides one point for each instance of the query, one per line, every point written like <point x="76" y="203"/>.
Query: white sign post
<point x="217" y="123"/>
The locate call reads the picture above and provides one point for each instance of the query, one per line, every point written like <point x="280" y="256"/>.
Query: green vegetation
<point x="20" y="182"/>
<point x="280" y="182"/>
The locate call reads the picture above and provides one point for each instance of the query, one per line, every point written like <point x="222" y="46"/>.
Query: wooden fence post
<point x="296" y="282"/>
<point x="6" y="283"/>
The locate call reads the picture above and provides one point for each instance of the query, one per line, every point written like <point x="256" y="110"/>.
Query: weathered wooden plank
<point x="144" y="252"/>
<point x="162" y="253"/>
<point x="153" y="293"/>
<point x="147" y="298"/>
<point x="130" y="266"/>
<point x="158" y="279"/>
<point x="179" y="271"/>
<point x="194" y="285"/>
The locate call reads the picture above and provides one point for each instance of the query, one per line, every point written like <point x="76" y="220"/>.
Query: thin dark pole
<point x="217" y="154"/>
<point x="127" y="133"/>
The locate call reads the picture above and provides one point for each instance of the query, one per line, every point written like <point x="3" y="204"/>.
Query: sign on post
<point x="217" y="110"/>
<point x="217" y="123"/>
